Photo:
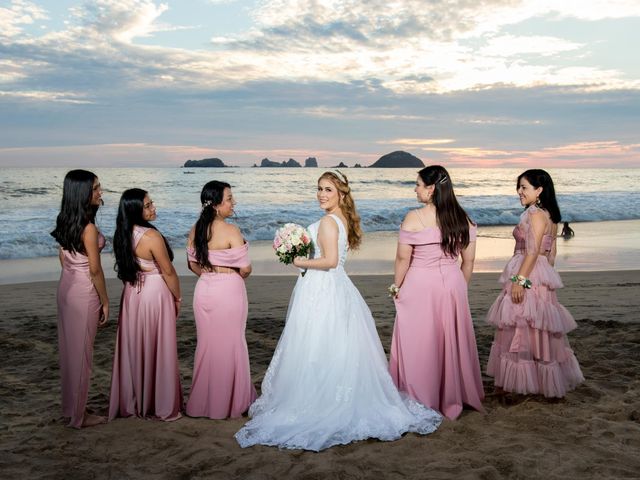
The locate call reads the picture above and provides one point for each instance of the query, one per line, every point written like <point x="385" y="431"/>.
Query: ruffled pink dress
<point x="145" y="381"/>
<point x="530" y="353"/>
<point x="222" y="386"/>
<point x="78" y="315"/>
<point x="434" y="357"/>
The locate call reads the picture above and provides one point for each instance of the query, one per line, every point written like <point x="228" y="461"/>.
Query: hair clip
<point x="206" y="204"/>
<point x="443" y="180"/>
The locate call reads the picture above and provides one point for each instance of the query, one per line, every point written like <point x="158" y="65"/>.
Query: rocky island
<point x="398" y="159"/>
<point x="269" y="164"/>
<point x="205" y="162"/>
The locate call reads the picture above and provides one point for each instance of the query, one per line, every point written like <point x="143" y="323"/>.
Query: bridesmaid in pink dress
<point x="83" y="304"/>
<point x="434" y="357"/>
<point x="218" y="254"/>
<point x="146" y="380"/>
<point x="530" y="353"/>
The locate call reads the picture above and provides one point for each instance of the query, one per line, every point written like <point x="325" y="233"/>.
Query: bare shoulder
<point x="90" y="230"/>
<point x="411" y="222"/>
<point x="90" y="235"/>
<point x="232" y="231"/>
<point x="327" y="223"/>
<point x="231" y="228"/>
<point x="152" y="235"/>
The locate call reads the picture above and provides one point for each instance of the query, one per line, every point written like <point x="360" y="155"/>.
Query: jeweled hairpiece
<point x="341" y="176"/>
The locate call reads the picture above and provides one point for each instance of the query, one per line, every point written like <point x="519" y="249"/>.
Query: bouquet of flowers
<point x="291" y="241"/>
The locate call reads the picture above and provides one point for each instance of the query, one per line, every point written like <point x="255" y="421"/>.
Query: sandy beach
<point x="593" y="433"/>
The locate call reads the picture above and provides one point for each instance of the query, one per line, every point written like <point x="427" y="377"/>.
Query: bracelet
<point x="393" y="290"/>
<point x="521" y="280"/>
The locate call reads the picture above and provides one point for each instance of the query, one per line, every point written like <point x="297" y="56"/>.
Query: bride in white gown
<point x="328" y="381"/>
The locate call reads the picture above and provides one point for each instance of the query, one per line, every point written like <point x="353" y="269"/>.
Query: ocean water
<point x="267" y="198"/>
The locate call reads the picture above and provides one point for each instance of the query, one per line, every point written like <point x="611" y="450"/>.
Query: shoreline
<point x="597" y="246"/>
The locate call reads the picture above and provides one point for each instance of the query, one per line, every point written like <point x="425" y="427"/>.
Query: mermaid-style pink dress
<point x="530" y="353"/>
<point x="145" y="381"/>
<point x="222" y="384"/>
<point x="78" y="315"/>
<point x="434" y="357"/>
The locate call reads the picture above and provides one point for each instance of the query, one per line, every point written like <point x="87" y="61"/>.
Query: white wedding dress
<point x="328" y="381"/>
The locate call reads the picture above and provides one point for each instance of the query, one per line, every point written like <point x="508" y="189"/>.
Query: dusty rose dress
<point x="145" y="381"/>
<point x="78" y="316"/>
<point x="222" y="384"/>
<point x="434" y="357"/>
<point x="530" y="353"/>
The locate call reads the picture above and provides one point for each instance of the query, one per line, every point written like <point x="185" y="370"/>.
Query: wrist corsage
<point x="393" y="290"/>
<point x="521" y="280"/>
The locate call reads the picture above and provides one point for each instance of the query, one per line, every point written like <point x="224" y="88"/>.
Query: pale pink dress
<point x="222" y="386"/>
<point x="145" y="381"/>
<point x="530" y="353"/>
<point x="78" y="315"/>
<point x="434" y="357"/>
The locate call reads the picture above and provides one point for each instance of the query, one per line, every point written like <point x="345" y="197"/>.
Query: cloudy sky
<point x="459" y="82"/>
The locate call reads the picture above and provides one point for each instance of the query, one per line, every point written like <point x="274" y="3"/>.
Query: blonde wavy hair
<point x="348" y="207"/>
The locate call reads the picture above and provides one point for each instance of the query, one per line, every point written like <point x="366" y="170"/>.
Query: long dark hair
<point x="130" y="215"/>
<point x="539" y="178"/>
<point x="76" y="211"/>
<point x="211" y="196"/>
<point x="452" y="220"/>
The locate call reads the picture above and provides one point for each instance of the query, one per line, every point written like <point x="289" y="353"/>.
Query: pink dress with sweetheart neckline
<point x="145" y="380"/>
<point x="78" y="315"/>
<point x="434" y="357"/>
<point x="222" y="386"/>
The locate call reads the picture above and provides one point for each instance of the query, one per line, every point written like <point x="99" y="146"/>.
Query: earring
<point x="538" y="203"/>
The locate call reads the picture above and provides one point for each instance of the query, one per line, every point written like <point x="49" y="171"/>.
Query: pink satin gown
<point x="530" y="353"/>
<point x="434" y="357"/>
<point x="78" y="315"/>
<point x="222" y="386"/>
<point x="145" y="381"/>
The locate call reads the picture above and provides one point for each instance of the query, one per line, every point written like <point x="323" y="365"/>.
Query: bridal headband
<point x="341" y="176"/>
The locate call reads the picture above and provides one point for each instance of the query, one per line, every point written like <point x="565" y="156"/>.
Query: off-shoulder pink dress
<point x="145" y="381"/>
<point x="222" y="384"/>
<point x="530" y="353"/>
<point x="78" y="315"/>
<point x="434" y="357"/>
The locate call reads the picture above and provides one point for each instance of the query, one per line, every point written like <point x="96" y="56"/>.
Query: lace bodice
<point x="342" y="240"/>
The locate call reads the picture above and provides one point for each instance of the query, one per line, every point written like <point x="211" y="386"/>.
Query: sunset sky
<point x="459" y="82"/>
